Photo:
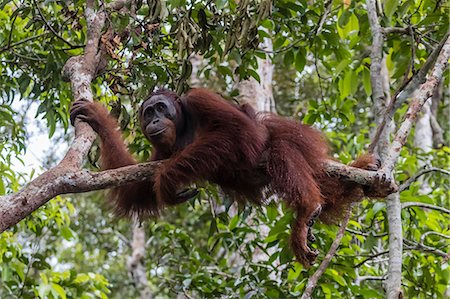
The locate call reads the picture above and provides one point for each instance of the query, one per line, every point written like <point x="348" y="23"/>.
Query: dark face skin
<point x="159" y="116"/>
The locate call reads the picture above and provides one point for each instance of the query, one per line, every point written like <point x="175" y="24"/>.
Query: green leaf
<point x="254" y="75"/>
<point x="233" y="223"/>
<point x="378" y="206"/>
<point x="272" y="212"/>
<point x="345" y="84"/>
<point x="220" y="4"/>
<point x="300" y="60"/>
<point x="225" y="71"/>
<point x="350" y="28"/>
<point x="2" y="187"/>
<point x="341" y="66"/>
<point x="390" y="6"/>
<point x="24" y="82"/>
<point x="288" y="58"/>
<point x="279" y="42"/>
<point x="366" y="82"/>
<point x="343" y="17"/>
<point x="294" y="272"/>
<point x="59" y="290"/>
<point x="66" y="233"/>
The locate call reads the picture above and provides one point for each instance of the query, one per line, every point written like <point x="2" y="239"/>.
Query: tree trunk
<point x="136" y="262"/>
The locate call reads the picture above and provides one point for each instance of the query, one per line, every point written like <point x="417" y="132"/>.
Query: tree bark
<point x="259" y="94"/>
<point x="136" y="262"/>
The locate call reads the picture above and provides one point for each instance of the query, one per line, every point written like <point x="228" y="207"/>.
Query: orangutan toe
<point x="311" y="237"/>
<point x="309" y="257"/>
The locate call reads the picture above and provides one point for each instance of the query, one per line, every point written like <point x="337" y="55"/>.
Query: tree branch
<point x="422" y="172"/>
<point x="424" y="205"/>
<point x="50" y="26"/>
<point x="424" y="92"/>
<point x="422" y="247"/>
<point x="360" y="279"/>
<point x="370" y="258"/>
<point x="313" y="280"/>
<point x="67" y="177"/>
<point x="63" y="180"/>
<point x="411" y="86"/>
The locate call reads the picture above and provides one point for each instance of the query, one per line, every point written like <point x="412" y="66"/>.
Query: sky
<point x="37" y="143"/>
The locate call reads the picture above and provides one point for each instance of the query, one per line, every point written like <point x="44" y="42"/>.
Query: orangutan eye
<point x="148" y="113"/>
<point x="160" y="107"/>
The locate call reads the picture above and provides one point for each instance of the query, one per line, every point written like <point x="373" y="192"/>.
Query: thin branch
<point x="11" y="31"/>
<point x="422" y="172"/>
<point x="23" y="41"/>
<point x="422" y="238"/>
<point x="438" y="133"/>
<point x="118" y="4"/>
<point x="324" y="16"/>
<point x="370" y="258"/>
<point x="421" y="247"/>
<point x="313" y="280"/>
<point x="390" y="30"/>
<point x="409" y="204"/>
<point x="50" y="26"/>
<point x="355" y="232"/>
<point x="360" y="279"/>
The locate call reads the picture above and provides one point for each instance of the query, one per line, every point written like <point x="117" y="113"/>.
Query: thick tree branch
<point x="62" y="180"/>
<point x="424" y="92"/>
<point x="411" y="86"/>
<point x="380" y="144"/>
<point x="67" y="177"/>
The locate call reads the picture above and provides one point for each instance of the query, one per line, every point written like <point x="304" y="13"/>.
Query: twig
<point x="50" y="26"/>
<point x="421" y="247"/>
<point x="422" y="238"/>
<point x="313" y="280"/>
<point x="390" y="30"/>
<point x="360" y="279"/>
<point x="414" y="178"/>
<point x="11" y="31"/>
<point x="424" y="205"/>
<point x="365" y="234"/>
<point x="324" y="16"/>
<point x="25" y="40"/>
<point x="370" y="258"/>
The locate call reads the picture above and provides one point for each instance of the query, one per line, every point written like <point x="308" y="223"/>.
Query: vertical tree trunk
<point x="136" y="262"/>
<point x="380" y="94"/>
<point x="259" y="94"/>
<point x="423" y="140"/>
